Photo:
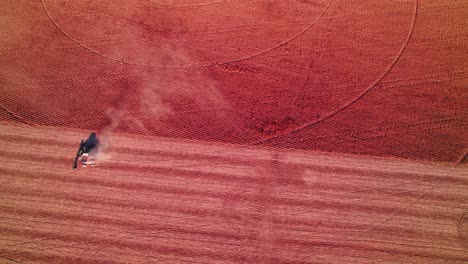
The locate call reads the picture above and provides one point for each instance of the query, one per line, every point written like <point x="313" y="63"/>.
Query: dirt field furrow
<point x="234" y="131"/>
<point x="216" y="205"/>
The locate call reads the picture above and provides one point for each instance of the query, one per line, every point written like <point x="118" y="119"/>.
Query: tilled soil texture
<point x="155" y="200"/>
<point x="381" y="78"/>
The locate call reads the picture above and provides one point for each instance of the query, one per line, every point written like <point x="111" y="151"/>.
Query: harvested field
<point x="157" y="200"/>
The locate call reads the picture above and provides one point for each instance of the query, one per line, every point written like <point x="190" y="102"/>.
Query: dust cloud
<point x="155" y="96"/>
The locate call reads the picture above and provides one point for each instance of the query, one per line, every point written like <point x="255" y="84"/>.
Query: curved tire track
<point x="358" y="97"/>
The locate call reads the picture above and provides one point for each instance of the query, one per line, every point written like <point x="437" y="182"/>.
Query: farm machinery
<point x="87" y="151"/>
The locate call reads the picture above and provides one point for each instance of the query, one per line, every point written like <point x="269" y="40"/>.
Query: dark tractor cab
<point x="86" y="152"/>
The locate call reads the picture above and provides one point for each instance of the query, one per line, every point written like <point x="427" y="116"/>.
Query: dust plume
<point x="152" y="99"/>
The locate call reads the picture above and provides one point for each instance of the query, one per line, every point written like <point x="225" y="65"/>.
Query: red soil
<point x="383" y="78"/>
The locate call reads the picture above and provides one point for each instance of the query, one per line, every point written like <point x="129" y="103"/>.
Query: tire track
<point x="202" y="65"/>
<point x="396" y="130"/>
<point x="207" y="3"/>
<point x="396" y="214"/>
<point x="355" y="99"/>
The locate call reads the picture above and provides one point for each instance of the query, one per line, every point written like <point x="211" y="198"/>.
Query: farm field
<point x="260" y="131"/>
<point x="380" y="78"/>
<point x="154" y="200"/>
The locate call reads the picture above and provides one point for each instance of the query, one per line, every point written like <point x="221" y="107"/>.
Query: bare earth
<point x="381" y="77"/>
<point x="235" y="131"/>
<point x="154" y="200"/>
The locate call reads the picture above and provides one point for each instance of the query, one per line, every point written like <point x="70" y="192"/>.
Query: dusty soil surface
<point x="156" y="200"/>
<point x="261" y="131"/>
<point x="382" y="78"/>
